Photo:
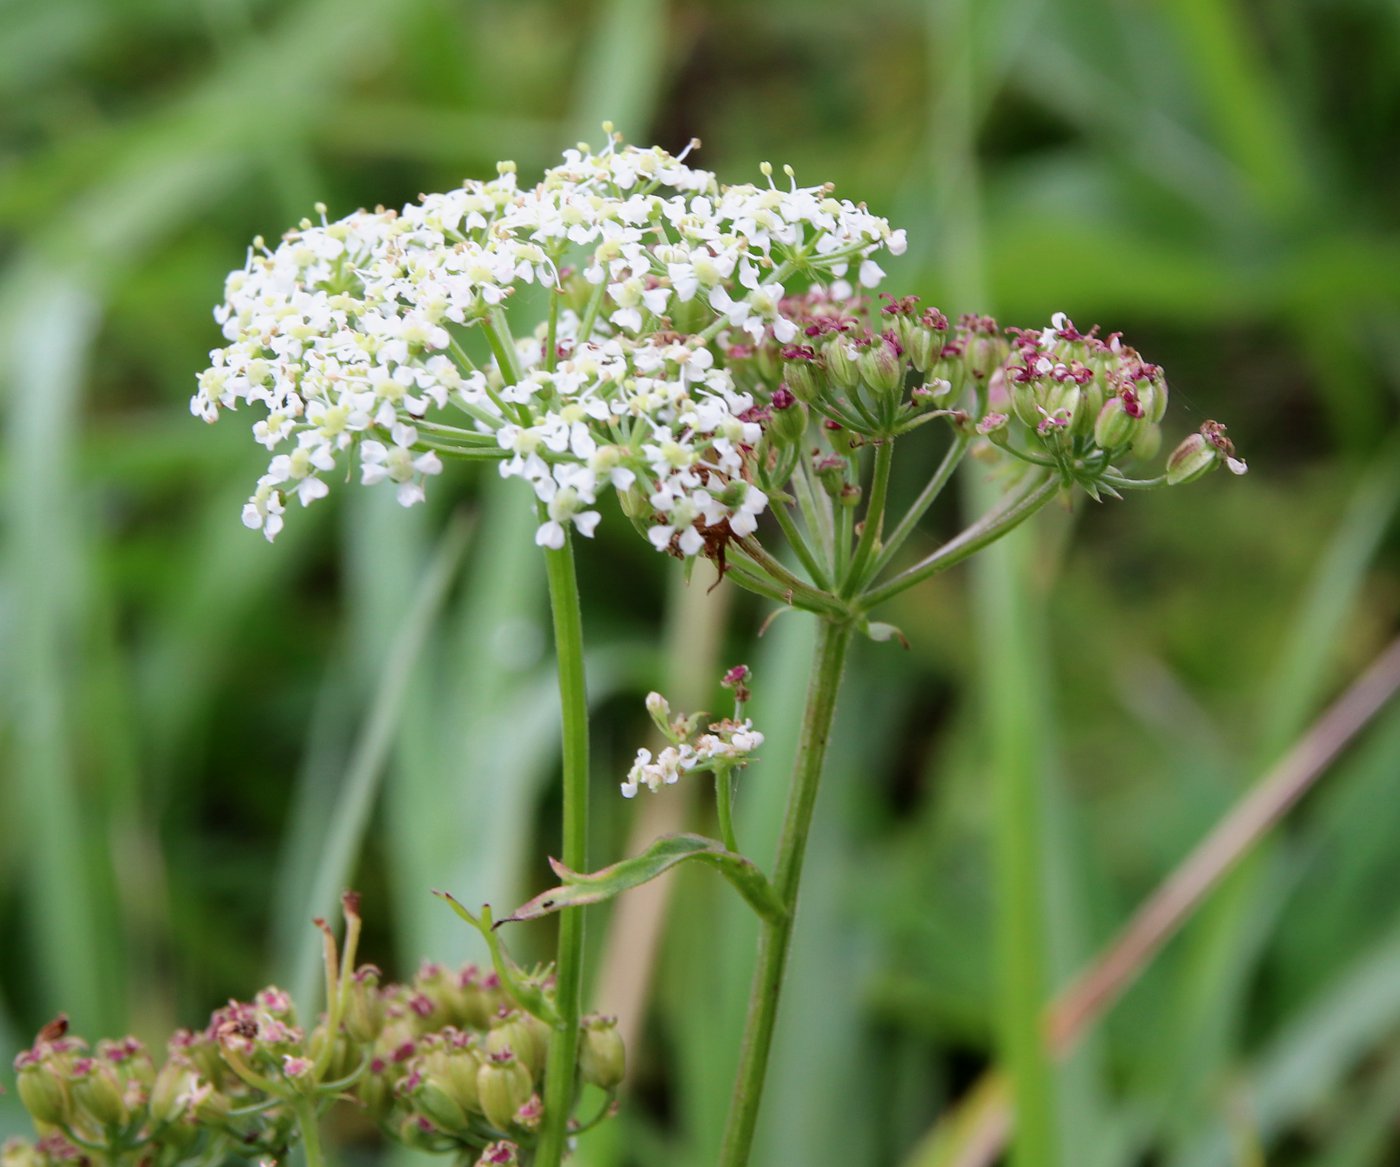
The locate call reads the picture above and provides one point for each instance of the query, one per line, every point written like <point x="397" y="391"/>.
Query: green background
<point x="203" y="737"/>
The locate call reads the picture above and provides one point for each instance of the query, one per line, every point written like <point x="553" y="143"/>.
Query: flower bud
<point x="601" y="1058"/>
<point x="209" y="1106"/>
<point x="504" y="1086"/>
<point x="801" y="372"/>
<point x="1147" y="441"/>
<point x="495" y="998"/>
<point x="842" y="363"/>
<point x="1025" y="401"/>
<point x="636" y="505"/>
<point x="659" y="710"/>
<point x="527" y="1036"/>
<point x="130" y="1059"/>
<point x="374" y="1090"/>
<point x="480" y="1000"/>
<point x="831" y="473"/>
<point x="924" y="339"/>
<point x="437" y="1105"/>
<point x="769" y="363"/>
<point x="882" y="366"/>
<point x="1091" y="405"/>
<point x="531" y="1114"/>
<point x="993" y="428"/>
<point x="984" y="352"/>
<point x="167" y="1102"/>
<point x="276" y="1003"/>
<point x="364" y="1006"/>
<point x="417" y="1132"/>
<point x="457" y="1069"/>
<point x="42" y="1090"/>
<point x="1193" y="458"/>
<point x="787" y="424"/>
<point x="1152" y="394"/>
<point x="501" y="1154"/>
<point x="1115" y="427"/>
<point x="203" y="1053"/>
<point x="98" y="1095"/>
<point x="1062" y="406"/>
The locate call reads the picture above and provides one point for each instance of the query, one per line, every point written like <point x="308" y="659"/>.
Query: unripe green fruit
<point x="601" y="1058"/>
<point x="503" y="1086"/>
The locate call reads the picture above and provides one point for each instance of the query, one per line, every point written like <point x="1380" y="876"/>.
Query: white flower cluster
<point x="726" y="744"/>
<point x="351" y="337"/>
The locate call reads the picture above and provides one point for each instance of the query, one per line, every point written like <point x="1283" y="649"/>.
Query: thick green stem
<point x="562" y="1059"/>
<point x="832" y="641"/>
<point x="308" y="1123"/>
<point x="573" y="699"/>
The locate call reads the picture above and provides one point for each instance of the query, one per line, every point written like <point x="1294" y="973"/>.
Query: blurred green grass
<point x="180" y="704"/>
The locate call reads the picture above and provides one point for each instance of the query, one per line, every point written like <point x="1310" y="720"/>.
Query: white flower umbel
<point x="723" y="745"/>
<point x="351" y="338"/>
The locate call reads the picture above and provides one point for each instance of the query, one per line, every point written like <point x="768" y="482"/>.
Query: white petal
<point x="550" y="535"/>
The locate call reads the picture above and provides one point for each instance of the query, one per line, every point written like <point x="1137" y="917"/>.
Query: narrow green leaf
<point x="580" y="888"/>
<point x="524" y="989"/>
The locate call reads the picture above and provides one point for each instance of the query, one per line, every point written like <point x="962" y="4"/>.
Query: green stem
<point x="1108" y="478"/>
<point x="816" y="513"/>
<point x="551" y="337"/>
<point x="988" y="529"/>
<point x="874" y="519"/>
<point x="845" y="524"/>
<point x="754" y="581"/>
<point x="796" y="590"/>
<point x="922" y="503"/>
<point x="456" y="432"/>
<point x="830" y="657"/>
<point x="724" y="806"/>
<point x="308" y="1124"/>
<point x="868" y="423"/>
<point x="590" y="313"/>
<point x="799" y="545"/>
<point x="464" y="453"/>
<point x="839" y="411"/>
<point x="498" y="336"/>
<point x="562" y="1060"/>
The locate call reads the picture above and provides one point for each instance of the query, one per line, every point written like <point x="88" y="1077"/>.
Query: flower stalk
<point x="560" y="1077"/>
<point x="828" y="663"/>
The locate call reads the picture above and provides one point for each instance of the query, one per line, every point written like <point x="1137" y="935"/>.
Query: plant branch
<point x="830" y="657"/>
<point x="921" y="504"/>
<point x="874" y="519"/>
<point x="992" y="526"/>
